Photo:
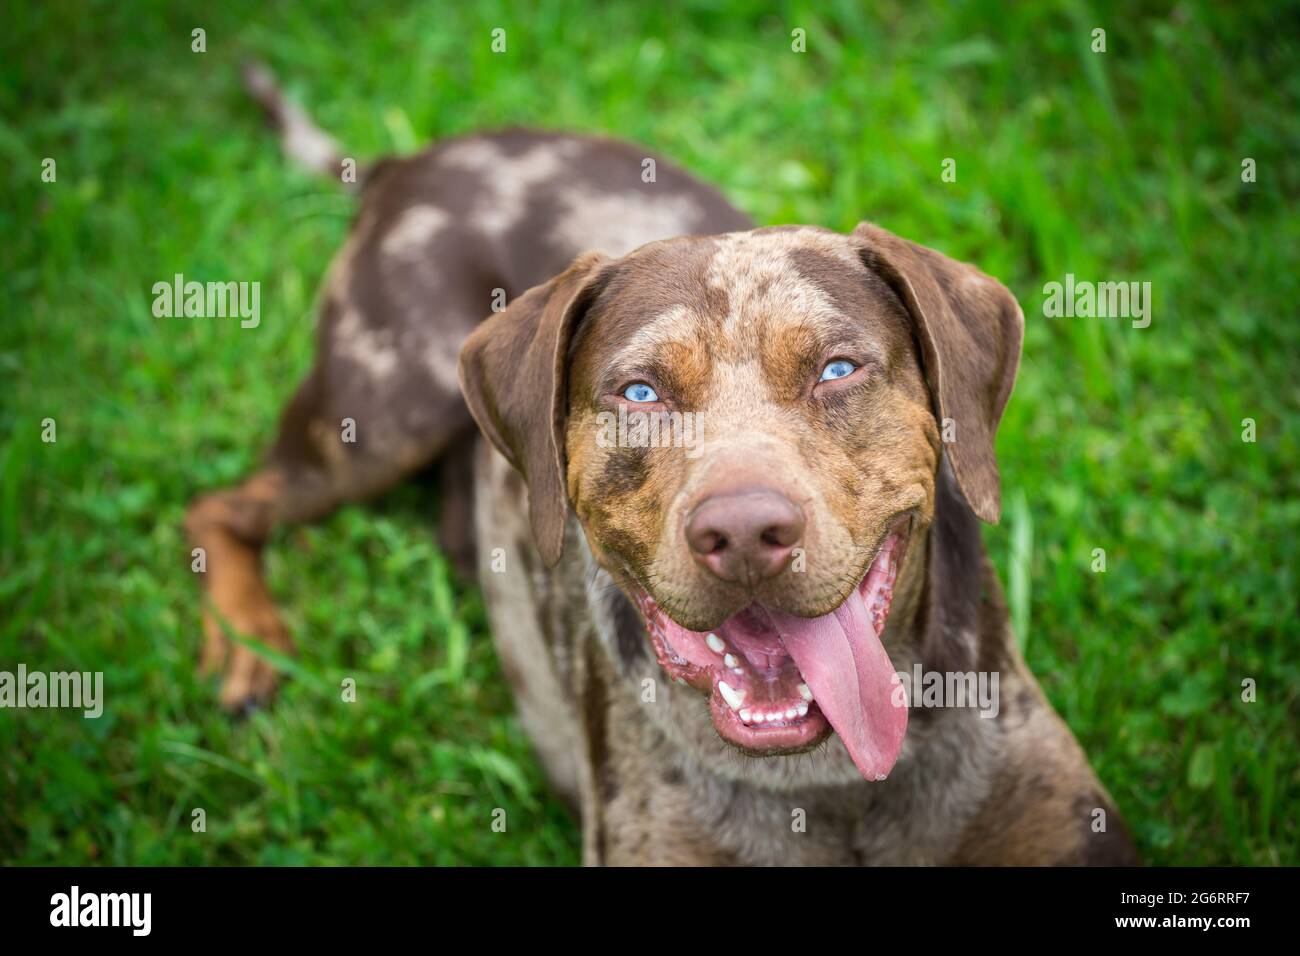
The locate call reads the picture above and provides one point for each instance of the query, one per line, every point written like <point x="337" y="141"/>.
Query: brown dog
<point x="727" y="523"/>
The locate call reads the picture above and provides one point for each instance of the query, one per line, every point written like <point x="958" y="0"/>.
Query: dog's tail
<point x="303" y="141"/>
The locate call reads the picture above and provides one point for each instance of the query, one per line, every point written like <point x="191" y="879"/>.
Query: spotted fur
<point x="611" y="278"/>
<point x="735" y="328"/>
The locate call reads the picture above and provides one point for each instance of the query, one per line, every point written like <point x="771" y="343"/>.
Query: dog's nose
<point x="744" y="536"/>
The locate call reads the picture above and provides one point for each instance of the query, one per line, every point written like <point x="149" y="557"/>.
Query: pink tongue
<point x="852" y="679"/>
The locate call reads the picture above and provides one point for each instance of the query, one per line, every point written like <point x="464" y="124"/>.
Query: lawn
<point x="1110" y="166"/>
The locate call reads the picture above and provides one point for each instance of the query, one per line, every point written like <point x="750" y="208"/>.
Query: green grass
<point x="1115" y="166"/>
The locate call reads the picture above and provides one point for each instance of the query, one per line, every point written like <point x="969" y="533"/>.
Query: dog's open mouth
<point x="779" y="683"/>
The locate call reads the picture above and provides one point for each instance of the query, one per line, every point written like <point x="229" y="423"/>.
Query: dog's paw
<point x="248" y="681"/>
<point x="249" y="684"/>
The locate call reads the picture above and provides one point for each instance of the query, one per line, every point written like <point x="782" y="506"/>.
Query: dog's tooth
<point x="746" y="715"/>
<point x="729" y="660"/>
<point x="805" y="692"/>
<point x="733" y="697"/>
<point x="791" y="713"/>
<point x="802" y="710"/>
<point x="715" y="643"/>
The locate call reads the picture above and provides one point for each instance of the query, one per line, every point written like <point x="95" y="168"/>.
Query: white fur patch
<point x="654" y="331"/>
<point x="611" y="222"/>
<point x="413" y="230"/>
<point x="441" y="357"/>
<point x="508" y="180"/>
<point x="617" y="223"/>
<point x="755" y="272"/>
<point x="372" y="351"/>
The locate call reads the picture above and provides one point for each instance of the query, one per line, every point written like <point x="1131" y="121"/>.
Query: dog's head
<point x="749" y="428"/>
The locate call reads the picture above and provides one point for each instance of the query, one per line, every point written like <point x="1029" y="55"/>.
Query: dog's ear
<point x="969" y="327"/>
<point x="513" y="375"/>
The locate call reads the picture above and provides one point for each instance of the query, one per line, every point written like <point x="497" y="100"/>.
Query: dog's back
<point x="454" y="233"/>
<point x="441" y="240"/>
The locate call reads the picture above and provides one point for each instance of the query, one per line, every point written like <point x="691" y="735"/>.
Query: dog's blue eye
<point x="840" y="368"/>
<point x="641" y="392"/>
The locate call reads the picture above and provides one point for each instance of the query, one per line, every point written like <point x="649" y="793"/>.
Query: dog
<point x="726" y="515"/>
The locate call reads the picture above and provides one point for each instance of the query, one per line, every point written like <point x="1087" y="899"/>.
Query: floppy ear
<point x="969" y="327"/>
<point x="512" y="373"/>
